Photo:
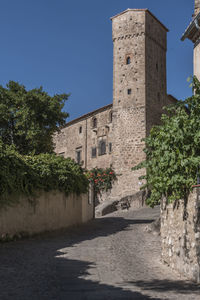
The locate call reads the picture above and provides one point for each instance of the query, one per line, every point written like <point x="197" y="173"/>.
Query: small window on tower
<point x="129" y="91"/>
<point x="128" y="60"/>
<point x="157" y="66"/>
<point x="80" y="129"/>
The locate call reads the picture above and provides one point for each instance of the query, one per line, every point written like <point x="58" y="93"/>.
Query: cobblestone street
<point x="112" y="257"/>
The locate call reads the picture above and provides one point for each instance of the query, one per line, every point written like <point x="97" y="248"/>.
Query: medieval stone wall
<point x="155" y="57"/>
<point x="180" y="236"/>
<point x="129" y="122"/>
<point x="139" y="35"/>
<point x="80" y="135"/>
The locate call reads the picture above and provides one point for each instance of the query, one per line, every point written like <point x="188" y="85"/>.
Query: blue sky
<point x="66" y="46"/>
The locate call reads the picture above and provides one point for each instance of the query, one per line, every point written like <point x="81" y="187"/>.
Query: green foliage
<point x="28" y="119"/>
<point x="27" y="174"/>
<point x="102" y="179"/>
<point x="173" y="151"/>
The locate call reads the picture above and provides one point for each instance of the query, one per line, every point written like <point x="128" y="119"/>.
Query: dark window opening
<point x="110" y="147"/>
<point x="78" y="156"/>
<point x="111" y="117"/>
<point x="157" y="66"/>
<point x="102" y="148"/>
<point x="129" y="91"/>
<point x="94" y="152"/>
<point x="94" y="123"/>
<point x="128" y="60"/>
<point x="80" y="129"/>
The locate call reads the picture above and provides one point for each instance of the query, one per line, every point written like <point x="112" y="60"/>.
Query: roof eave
<point x="86" y="116"/>
<point x="190" y="28"/>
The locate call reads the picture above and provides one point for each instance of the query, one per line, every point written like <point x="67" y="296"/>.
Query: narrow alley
<point x="112" y="257"/>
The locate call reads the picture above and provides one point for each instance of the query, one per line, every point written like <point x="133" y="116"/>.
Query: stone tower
<point x="193" y="34"/>
<point x="139" y="91"/>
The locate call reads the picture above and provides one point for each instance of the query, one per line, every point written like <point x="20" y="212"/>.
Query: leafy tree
<point x="28" y="119"/>
<point x="173" y="151"/>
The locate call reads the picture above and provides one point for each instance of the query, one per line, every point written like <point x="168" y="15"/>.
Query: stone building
<point x="193" y="33"/>
<point x="112" y="134"/>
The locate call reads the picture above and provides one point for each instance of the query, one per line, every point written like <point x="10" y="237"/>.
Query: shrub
<point x="102" y="179"/>
<point x="25" y="174"/>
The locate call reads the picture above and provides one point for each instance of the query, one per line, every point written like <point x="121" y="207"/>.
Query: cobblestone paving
<point x="112" y="257"/>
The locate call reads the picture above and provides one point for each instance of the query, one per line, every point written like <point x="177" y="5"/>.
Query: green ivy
<point x="26" y="174"/>
<point x="173" y="151"/>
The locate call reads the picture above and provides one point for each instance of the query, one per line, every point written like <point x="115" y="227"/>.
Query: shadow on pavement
<point x="179" y="286"/>
<point x="35" y="268"/>
<point x="72" y="286"/>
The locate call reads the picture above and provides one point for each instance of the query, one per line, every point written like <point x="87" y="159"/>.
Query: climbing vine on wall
<point x="102" y="179"/>
<point x="27" y="174"/>
<point x="173" y="151"/>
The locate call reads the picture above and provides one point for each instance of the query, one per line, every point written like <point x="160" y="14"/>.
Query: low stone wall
<point x="135" y="201"/>
<point x="180" y="234"/>
<point x="50" y="211"/>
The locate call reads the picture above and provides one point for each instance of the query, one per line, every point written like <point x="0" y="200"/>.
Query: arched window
<point x="102" y="147"/>
<point x="94" y="123"/>
<point x="128" y="60"/>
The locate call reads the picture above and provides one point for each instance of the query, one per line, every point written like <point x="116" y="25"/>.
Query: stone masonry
<point x="112" y="134"/>
<point x="139" y="35"/>
<point x="180" y="235"/>
<point x="81" y="135"/>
